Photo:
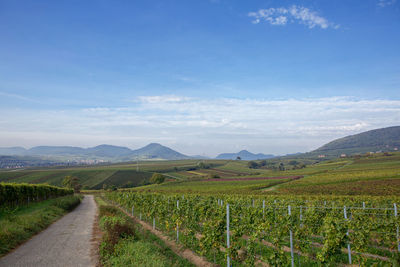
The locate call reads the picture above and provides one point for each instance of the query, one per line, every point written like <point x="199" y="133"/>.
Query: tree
<point x="238" y="158"/>
<point x="72" y="182"/>
<point x="214" y="175"/>
<point x="252" y="165"/>
<point x="263" y="163"/>
<point x="157" y="178"/>
<point x="281" y="167"/>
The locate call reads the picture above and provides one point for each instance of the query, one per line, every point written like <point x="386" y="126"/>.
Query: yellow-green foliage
<point x="321" y="226"/>
<point x="15" y="194"/>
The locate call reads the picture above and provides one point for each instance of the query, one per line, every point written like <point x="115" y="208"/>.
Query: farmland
<point x="277" y="230"/>
<point x="330" y="212"/>
<point x="368" y="175"/>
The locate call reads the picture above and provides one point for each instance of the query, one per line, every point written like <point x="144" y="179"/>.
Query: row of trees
<point x="291" y="165"/>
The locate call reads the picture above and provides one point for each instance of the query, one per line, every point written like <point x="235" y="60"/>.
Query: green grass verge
<point x="19" y="224"/>
<point x="127" y="244"/>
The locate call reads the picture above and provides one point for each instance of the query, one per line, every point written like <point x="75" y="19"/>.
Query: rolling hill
<point x="102" y="152"/>
<point x="383" y="139"/>
<point x="157" y="151"/>
<point x="244" y="155"/>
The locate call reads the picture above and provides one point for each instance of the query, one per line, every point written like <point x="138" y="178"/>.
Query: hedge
<point x="12" y="194"/>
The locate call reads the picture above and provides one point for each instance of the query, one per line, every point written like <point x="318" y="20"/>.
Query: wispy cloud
<point x="16" y="96"/>
<point x="204" y="125"/>
<point x="292" y="14"/>
<point x="162" y="99"/>
<point x="385" y="3"/>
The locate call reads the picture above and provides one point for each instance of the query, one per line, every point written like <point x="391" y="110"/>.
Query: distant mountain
<point x="158" y="151"/>
<point x="109" y="151"/>
<point x="101" y="152"/>
<point x="384" y="139"/>
<point x="244" y="155"/>
<point x="12" y="151"/>
<point x="56" y="150"/>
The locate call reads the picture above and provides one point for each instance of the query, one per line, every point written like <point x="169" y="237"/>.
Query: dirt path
<point x="67" y="242"/>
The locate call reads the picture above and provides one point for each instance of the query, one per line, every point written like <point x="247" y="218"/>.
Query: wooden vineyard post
<point x="348" y="244"/>
<point x="291" y="238"/>
<point x="228" y="259"/>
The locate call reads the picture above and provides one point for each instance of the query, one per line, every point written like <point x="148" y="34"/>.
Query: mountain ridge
<point x="119" y="153"/>
<point x="382" y="139"/>
<point x="244" y="155"/>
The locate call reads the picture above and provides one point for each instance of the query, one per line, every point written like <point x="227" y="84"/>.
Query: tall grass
<point x="20" y="223"/>
<point x="127" y="244"/>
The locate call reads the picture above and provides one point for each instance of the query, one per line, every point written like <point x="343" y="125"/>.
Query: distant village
<point x="9" y="162"/>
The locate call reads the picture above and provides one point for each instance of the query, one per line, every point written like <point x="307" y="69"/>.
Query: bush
<point x="107" y="210"/>
<point x="214" y="175"/>
<point x="252" y="165"/>
<point x="114" y="228"/>
<point x="68" y="203"/>
<point x="157" y="178"/>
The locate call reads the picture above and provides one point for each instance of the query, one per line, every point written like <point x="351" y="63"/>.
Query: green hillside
<point x="385" y="139"/>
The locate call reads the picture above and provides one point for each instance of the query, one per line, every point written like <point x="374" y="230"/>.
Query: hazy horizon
<point x="202" y="77"/>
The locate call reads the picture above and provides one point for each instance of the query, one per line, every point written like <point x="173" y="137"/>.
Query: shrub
<point x="68" y="203"/>
<point x="214" y="175"/>
<point x="157" y="178"/>
<point x="115" y="228"/>
<point x="107" y="210"/>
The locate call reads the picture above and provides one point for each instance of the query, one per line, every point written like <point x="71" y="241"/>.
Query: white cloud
<point x="385" y="3"/>
<point x="282" y="15"/>
<point x="203" y="125"/>
<point x="162" y="99"/>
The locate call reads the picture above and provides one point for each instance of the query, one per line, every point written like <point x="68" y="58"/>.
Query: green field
<point x="376" y="174"/>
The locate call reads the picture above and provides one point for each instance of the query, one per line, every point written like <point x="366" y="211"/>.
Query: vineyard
<point x="278" y="231"/>
<point x="17" y="194"/>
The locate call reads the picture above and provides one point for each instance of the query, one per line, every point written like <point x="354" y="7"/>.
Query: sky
<point x="203" y="76"/>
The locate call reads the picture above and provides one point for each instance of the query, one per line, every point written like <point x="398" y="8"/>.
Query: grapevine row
<point x="341" y="230"/>
<point x="16" y="194"/>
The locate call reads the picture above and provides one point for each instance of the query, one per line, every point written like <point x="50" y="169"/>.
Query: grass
<point x="125" y="178"/>
<point x="347" y="176"/>
<point x="214" y="186"/>
<point x="93" y="177"/>
<point x="127" y="244"/>
<point x="19" y="224"/>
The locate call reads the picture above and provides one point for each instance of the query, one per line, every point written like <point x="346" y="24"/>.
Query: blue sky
<point x="203" y="77"/>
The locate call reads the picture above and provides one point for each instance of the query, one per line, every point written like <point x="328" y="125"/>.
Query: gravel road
<point x="66" y="242"/>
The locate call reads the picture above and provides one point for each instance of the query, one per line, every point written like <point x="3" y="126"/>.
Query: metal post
<point x="228" y="260"/>
<point x="397" y="228"/>
<point x="348" y="244"/>
<point x="263" y="209"/>
<point x="291" y="238"/>
<point x="363" y="205"/>
<point x="301" y="216"/>
<point x="177" y="225"/>
<point x="140" y="216"/>
<point x="253" y="203"/>
<point x="154" y="223"/>
<point x="132" y="209"/>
